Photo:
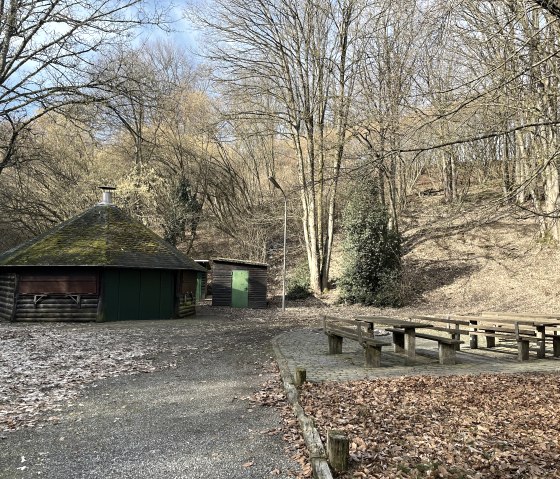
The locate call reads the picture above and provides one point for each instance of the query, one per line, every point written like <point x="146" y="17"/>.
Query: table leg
<point x="541" y="345"/>
<point x="410" y="343"/>
<point x="398" y="342"/>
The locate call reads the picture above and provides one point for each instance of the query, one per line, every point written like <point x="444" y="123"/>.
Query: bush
<point x="298" y="284"/>
<point x="372" y="253"/>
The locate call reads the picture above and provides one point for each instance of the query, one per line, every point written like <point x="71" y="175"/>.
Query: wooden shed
<point x="239" y="283"/>
<point x="202" y="284"/>
<point x="101" y="265"/>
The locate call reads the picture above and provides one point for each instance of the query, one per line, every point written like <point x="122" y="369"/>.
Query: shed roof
<point x="239" y="261"/>
<point x="103" y="235"/>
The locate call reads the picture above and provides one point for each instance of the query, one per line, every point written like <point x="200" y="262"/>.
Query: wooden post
<point x="338" y="450"/>
<point x="490" y="342"/>
<point x="300" y="376"/>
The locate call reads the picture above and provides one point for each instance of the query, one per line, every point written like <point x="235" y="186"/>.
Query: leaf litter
<point x="487" y="426"/>
<point x="45" y="368"/>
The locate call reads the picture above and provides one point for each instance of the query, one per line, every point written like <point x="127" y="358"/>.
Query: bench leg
<point x="335" y="344"/>
<point x="474" y="337"/>
<point x="556" y="346"/>
<point x="447" y="353"/>
<point x="490" y="342"/>
<point x="373" y="356"/>
<point x="541" y="345"/>
<point x="398" y="342"/>
<point x="523" y="350"/>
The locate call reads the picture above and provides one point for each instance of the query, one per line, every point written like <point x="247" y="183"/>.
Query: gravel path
<point x="193" y="421"/>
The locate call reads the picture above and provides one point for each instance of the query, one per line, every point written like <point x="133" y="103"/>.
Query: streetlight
<point x="276" y="185"/>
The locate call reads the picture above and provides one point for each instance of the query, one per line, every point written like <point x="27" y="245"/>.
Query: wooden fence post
<point x="300" y="376"/>
<point x="338" y="450"/>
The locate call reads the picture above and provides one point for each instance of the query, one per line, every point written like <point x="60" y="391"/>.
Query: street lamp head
<point x="274" y="182"/>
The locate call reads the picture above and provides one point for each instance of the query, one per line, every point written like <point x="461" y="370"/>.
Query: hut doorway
<point x="240" y="289"/>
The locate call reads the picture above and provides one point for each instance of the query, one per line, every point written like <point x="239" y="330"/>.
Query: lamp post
<point x="276" y="185"/>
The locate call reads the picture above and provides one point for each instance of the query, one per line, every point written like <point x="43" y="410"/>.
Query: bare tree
<point x="301" y="57"/>
<point x="47" y="52"/>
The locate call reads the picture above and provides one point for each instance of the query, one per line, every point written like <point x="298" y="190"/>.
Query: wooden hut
<point x="100" y="265"/>
<point x="239" y="283"/>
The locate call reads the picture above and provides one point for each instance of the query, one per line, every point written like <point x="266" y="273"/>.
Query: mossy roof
<point x="100" y="236"/>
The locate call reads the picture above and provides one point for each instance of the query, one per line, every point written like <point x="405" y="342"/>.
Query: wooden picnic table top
<point x="395" y="322"/>
<point x="504" y="314"/>
<point x="522" y="321"/>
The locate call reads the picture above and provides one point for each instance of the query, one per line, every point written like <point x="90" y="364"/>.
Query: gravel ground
<point x="192" y="421"/>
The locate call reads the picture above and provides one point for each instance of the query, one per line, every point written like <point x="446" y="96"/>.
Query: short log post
<point x="300" y="376"/>
<point x="335" y="344"/>
<point x="338" y="450"/>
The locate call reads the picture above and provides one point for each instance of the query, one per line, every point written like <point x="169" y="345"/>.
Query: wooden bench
<point x="492" y="333"/>
<point x="453" y="327"/>
<point x="447" y="347"/>
<point x="337" y="329"/>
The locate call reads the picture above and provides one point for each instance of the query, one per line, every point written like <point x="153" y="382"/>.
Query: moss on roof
<point x="101" y="236"/>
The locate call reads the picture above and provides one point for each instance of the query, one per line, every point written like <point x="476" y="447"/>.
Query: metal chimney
<point x="107" y="198"/>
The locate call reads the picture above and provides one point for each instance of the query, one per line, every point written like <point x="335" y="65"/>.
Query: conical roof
<point x="103" y="235"/>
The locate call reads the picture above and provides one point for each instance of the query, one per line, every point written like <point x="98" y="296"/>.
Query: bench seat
<point x="446" y="346"/>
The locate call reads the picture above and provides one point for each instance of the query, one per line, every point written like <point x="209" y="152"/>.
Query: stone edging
<point x="311" y="436"/>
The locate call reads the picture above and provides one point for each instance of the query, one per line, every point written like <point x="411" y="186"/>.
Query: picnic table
<point x="493" y="325"/>
<point x="403" y="343"/>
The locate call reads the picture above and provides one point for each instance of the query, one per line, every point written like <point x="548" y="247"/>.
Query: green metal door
<point x="240" y="289"/>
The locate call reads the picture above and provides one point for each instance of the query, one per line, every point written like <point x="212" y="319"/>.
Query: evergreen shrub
<point x="373" y="252"/>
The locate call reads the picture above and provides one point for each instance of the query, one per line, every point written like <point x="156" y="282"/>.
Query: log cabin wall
<point x="56" y="307"/>
<point x="57" y="295"/>
<point x="7" y="295"/>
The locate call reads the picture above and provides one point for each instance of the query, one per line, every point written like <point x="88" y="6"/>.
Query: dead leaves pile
<point x="488" y="426"/>
<point x="43" y="368"/>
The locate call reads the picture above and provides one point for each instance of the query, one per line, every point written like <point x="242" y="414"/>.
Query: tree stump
<point x="300" y="376"/>
<point x="338" y="450"/>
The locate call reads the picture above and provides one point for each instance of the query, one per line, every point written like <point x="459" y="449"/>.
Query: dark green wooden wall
<point x="130" y="294"/>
